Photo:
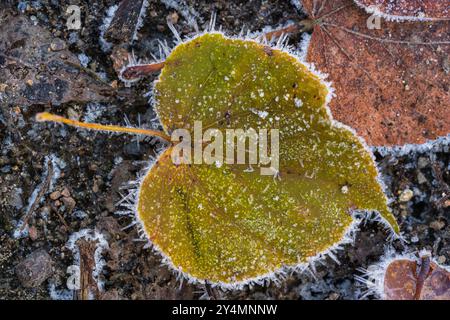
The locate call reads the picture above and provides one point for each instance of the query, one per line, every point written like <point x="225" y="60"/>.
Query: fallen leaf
<point x="407" y="9"/>
<point x="227" y="224"/>
<point x="392" y="83"/>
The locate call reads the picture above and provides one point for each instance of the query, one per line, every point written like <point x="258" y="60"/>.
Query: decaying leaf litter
<point x="271" y="291"/>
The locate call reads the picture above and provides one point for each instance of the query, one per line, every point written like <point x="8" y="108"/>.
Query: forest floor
<point x="90" y="170"/>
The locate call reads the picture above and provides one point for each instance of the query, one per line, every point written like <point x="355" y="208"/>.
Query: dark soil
<point x="97" y="165"/>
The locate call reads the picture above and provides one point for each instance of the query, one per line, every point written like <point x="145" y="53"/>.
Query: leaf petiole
<point x="45" y="116"/>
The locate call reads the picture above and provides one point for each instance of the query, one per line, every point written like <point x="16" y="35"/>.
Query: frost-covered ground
<point x="90" y="170"/>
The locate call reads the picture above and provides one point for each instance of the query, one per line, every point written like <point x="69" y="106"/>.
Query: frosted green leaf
<point x="225" y="224"/>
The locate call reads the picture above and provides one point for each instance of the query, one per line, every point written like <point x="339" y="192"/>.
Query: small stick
<point x="425" y="268"/>
<point x="87" y="263"/>
<point x="45" y="116"/>
<point x="297" y="27"/>
<point x="61" y="218"/>
<point x="138" y="71"/>
<point x="38" y="198"/>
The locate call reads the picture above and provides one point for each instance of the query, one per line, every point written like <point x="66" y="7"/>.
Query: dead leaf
<point x="408" y="9"/>
<point x="408" y="280"/>
<point x="392" y="84"/>
<point x="37" y="68"/>
<point x="227" y="224"/>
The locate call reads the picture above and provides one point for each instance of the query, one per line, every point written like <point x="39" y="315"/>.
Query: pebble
<point x="14" y="198"/>
<point x="65" y="192"/>
<point x="422" y="162"/>
<point x="57" y="45"/>
<point x="35" y="269"/>
<point x="421" y="179"/>
<point x="441" y="259"/>
<point x="406" y="195"/>
<point x="437" y="225"/>
<point x="55" y="195"/>
<point x="333" y="296"/>
<point x="69" y="202"/>
<point x="97" y="183"/>
<point x="447" y="203"/>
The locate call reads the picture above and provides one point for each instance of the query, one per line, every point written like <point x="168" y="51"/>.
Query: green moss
<point x="227" y="225"/>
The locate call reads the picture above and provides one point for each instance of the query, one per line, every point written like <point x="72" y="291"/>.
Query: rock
<point x="65" y="192"/>
<point x="333" y="296"/>
<point x="35" y="269"/>
<point x="14" y="198"/>
<point x="69" y="202"/>
<point x="421" y="179"/>
<point x="422" y="162"/>
<point x="437" y="225"/>
<point x="406" y="195"/>
<point x="57" y="45"/>
<point x="55" y="195"/>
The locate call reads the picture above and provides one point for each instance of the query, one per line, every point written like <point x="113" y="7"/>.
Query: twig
<point x="87" y="263"/>
<point x="424" y="271"/>
<point x="61" y="218"/>
<point x="294" y="28"/>
<point x="42" y="191"/>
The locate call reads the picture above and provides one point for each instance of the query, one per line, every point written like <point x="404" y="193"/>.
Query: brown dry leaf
<point x="402" y="281"/>
<point x="408" y="9"/>
<point x="392" y="84"/>
<point x="37" y="68"/>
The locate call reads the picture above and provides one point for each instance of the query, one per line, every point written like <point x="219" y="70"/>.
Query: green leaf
<point x="225" y="224"/>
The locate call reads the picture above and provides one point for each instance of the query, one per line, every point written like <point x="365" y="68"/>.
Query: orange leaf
<point x="408" y="280"/>
<point x="392" y="83"/>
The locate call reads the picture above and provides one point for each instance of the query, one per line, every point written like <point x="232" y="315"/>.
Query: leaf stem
<point x="141" y="70"/>
<point x="45" y="116"/>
